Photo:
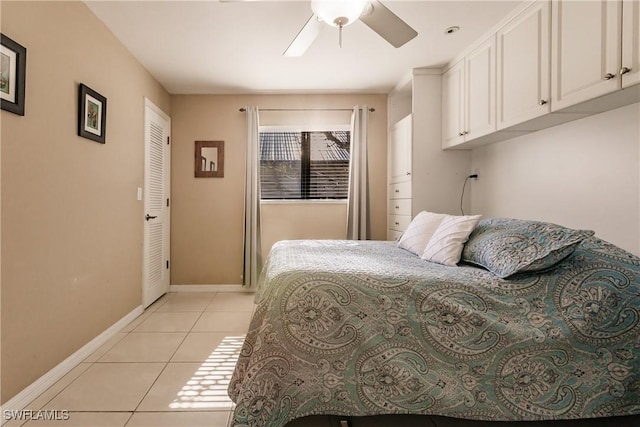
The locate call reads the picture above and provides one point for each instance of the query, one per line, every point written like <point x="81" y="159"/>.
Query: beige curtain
<point x="252" y="240"/>
<point x="358" y="223"/>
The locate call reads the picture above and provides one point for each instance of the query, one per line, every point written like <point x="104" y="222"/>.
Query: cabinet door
<point x="400" y="151"/>
<point x="480" y="74"/>
<point x="453" y="106"/>
<point x="630" y="43"/>
<point x="585" y="44"/>
<point x="523" y="68"/>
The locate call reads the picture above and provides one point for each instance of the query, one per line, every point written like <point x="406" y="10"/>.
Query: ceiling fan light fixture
<point x="338" y="13"/>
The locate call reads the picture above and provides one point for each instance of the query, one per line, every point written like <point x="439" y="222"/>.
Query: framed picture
<point x="13" y="67"/>
<point x="92" y="114"/>
<point x="209" y="159"/>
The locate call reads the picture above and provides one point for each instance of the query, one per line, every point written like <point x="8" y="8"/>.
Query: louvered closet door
<point x="156" y="203"/>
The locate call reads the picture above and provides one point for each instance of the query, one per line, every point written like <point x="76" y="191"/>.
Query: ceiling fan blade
<point x="305" y="37"/>
<point x="387" y="24"/>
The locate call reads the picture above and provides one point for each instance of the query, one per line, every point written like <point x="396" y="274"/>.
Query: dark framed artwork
<point x="13" y="67"/>
<point x="92" y="114"/>
<point x="209" y="159"/>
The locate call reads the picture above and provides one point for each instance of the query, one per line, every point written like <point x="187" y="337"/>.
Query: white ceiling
<point x="213" y="47"/>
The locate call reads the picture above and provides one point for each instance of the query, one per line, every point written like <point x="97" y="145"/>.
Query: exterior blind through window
<point x="304" y="165"/>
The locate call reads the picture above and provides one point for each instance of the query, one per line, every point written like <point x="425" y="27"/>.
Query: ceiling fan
<point x="340" y="13"/>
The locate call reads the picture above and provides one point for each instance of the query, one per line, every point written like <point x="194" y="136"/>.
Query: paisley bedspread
<point x="364" y="328"/>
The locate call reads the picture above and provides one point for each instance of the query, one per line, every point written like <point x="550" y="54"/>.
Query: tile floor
<point x="169" y="367"/>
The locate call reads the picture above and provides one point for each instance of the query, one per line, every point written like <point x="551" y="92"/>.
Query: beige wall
<point x="583" y="174"/>
<point x="206" y="215"/>
<point x="291" y="221"/>
<point x="71" y="224"/>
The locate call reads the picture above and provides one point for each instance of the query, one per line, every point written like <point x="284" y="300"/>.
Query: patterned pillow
<point x="445" y="246"/>
<point x="419" y="232"/>
<point x="507" y="246"/>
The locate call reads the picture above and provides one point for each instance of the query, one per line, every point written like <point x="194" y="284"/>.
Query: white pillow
<point x="446" y="244"/>
<point x="419" y="232"/>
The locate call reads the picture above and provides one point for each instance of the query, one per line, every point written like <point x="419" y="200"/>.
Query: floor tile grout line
<point x="183" y="340"/>
<point x="185" y="333"/>
<point x="178" y="347"/>
<point x="157" y="377"/>
<point x="97" y="360"/>
<point x="196" y="322"/>
<point x="165" y="367"/>
<point x="146" y="393"/>
<point x="163" y="370"/>
<point x="128" y="419"/>
<point x="42" y="406"/>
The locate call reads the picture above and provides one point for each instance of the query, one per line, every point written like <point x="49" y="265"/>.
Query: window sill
<point x="304" y="202"/>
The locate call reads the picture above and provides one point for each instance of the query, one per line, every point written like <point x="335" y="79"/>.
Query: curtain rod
<point x="242" y="110"/>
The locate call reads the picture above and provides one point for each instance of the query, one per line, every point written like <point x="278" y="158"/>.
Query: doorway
<point x="157" y="163"/>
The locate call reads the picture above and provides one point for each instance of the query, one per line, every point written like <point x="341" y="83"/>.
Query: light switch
<point x="139" y="194"/>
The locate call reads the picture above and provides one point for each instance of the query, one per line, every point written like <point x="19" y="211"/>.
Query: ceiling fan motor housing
<point x="338" y="13"/>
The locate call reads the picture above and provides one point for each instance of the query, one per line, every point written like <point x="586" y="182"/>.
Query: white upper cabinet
<point x="586" y="50"/>
<point x="549" y="62"/>
<point x="630" y="70"/>
<point x="400" y="151"/>
<point x="469" y="96"/>
<point x="453" y="105"/>
<point x="481" y="90"/>
<point x="523" y="70"/>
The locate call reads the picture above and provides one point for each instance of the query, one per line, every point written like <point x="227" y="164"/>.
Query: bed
<point x="358" y="328"/>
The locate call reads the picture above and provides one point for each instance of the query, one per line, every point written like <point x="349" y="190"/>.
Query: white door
<point x="155" y="276"/>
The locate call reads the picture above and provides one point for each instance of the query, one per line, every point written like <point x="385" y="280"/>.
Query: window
<point x="304" y="164"/>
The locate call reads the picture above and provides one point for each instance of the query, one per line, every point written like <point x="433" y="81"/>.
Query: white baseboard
<point x="210" y="288"/>
<point x="35" y="389"/>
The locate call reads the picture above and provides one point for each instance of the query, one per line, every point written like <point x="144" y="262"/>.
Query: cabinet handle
<point x="542" y="102"/>
<point x="397" y="207"/>
<point x="625" y="70"/>
<point x="609" y="76"/>
<point x="397" y="223"/>
<point x="397" y="191"/>
<point x="463" y="133"/>
<point x="408" y="173"/>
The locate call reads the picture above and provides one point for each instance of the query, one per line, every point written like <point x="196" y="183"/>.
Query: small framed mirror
<point x="209" y="159"/>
